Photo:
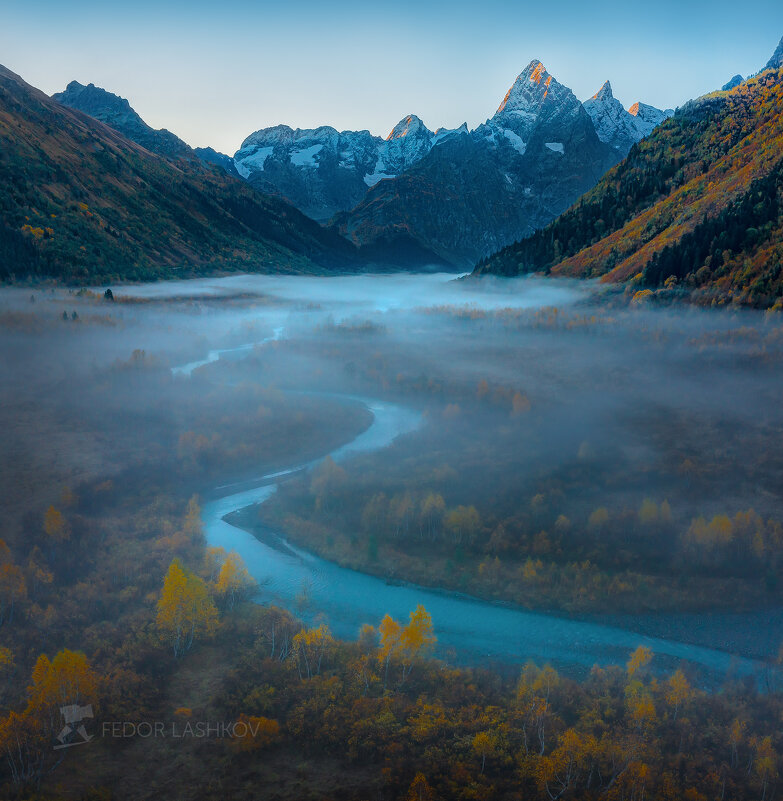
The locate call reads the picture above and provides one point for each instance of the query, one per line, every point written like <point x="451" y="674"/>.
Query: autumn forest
<point x="259" y="541"/>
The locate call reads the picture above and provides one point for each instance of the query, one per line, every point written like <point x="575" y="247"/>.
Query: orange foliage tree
<point x="27" y="738"/>
<point x="254" y="733"/>
<point x="55" y="526"/>
<point x="309" y="646"/>
<point x="408" y="642"/>
<point x="234" y="581"/>
<point x="185" y="609"/>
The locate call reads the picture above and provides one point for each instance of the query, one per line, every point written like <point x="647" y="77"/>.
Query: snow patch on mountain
<point x="516" y="141"/>
<point x="340" y="165"/>
<point x="306" y="157"/>
<point x="373" y="179"/>
<point x="253" y="161"/>
<point x="557" y="147"/>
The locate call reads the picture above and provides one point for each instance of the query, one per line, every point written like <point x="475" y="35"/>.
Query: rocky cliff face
<point x="648" y="118"/>
<point x="116" y="112"/>
<point x="731" y="83"/>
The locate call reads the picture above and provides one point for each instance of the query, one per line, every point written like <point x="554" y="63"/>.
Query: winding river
<point x="474" y="631"/>
<point x="469" y="631"/>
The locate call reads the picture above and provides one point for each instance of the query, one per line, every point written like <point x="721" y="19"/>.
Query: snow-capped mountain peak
<point x="648" y="117"/>
<point x="540" y="128"/>
<point x="408" y="126"/>
<point x="446" y="133"/>
<point x="528" y="91"/>
<point x="536" y="100"/>
<point x="323" y="170"/>
<point x="617" y="127"/>
<point x="409" y="141"/>
<point x="613" y="124"/>
<point x="604" y="93"/>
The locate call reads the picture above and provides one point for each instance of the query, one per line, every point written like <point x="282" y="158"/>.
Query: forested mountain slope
<point x="80" y="202"/>
<point x="698" y="204"/>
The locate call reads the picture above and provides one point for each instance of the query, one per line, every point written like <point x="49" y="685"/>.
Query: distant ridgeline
<point x="80" y="201"/>
<point x="698" y="205"/>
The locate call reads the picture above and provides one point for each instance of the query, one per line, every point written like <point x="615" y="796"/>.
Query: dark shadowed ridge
<point x="211" y="156"/>
<point x="117" y="112"/>
<point x="81" y="202"/>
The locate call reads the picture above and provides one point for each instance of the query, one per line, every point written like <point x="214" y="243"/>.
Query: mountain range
<point x="476" y="191"/>
<point x="696" y="206"/>
<point x="82" y="202"/>
<point x="539" y="152"/>
<point x="452" y="195"/>
<point x="660" y="200"/>
<point x="323" y="171"/>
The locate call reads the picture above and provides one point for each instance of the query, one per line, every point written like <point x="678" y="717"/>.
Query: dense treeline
<point x="695" y="203"/>
<point x="532" y="553"/>
<point x="719" y="246"/>
<point x="17" y="249"/>
<point x="629" y="188"/>
<point x="445" y="733"/>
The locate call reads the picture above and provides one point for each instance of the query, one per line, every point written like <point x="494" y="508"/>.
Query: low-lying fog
<point x="554" y="409"/>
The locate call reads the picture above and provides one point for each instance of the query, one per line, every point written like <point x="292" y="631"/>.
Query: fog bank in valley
<point x="584" y="455"/>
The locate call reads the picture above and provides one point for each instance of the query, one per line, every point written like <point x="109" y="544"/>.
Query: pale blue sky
<point x="214" y="72"/>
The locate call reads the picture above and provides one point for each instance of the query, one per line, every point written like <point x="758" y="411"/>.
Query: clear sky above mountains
<point x="213" y="72"/>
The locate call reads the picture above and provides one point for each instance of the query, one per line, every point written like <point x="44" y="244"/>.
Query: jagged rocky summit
<point x="476" y="191"/>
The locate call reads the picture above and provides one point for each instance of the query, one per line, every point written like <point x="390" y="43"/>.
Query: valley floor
<point x="549" y="441"/>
